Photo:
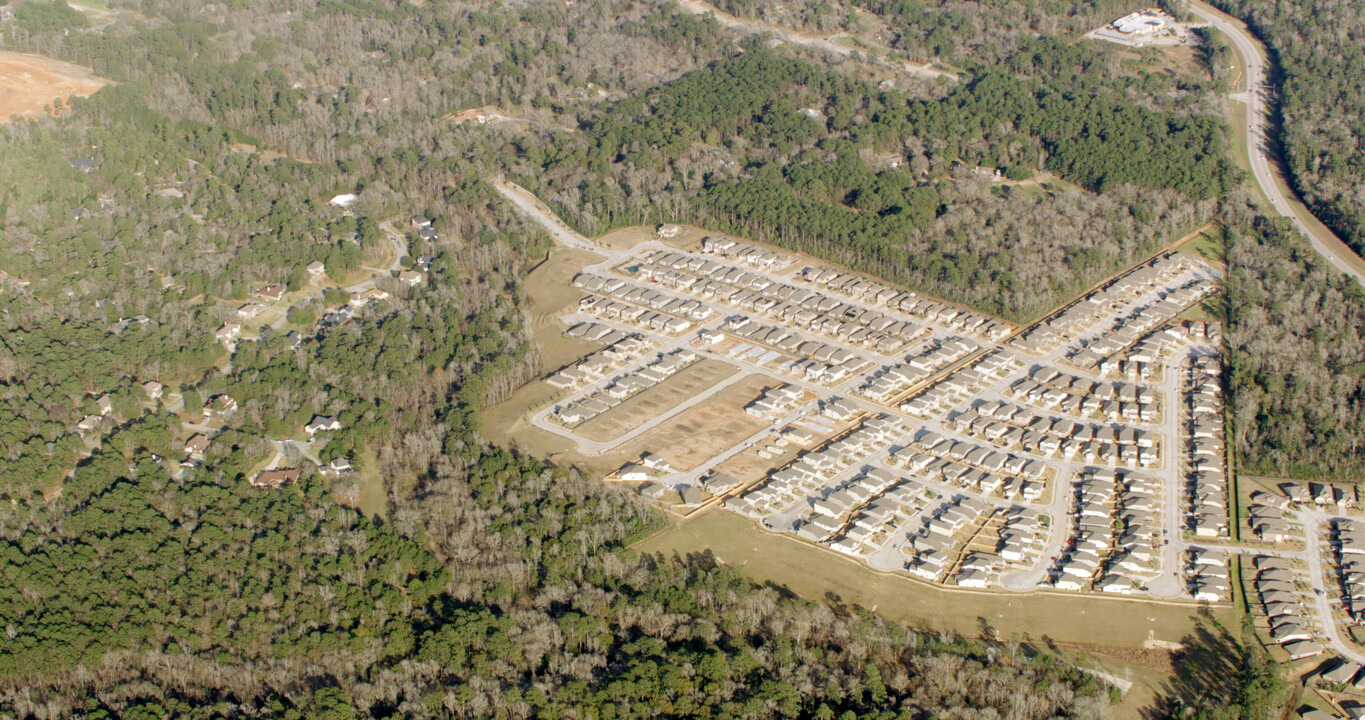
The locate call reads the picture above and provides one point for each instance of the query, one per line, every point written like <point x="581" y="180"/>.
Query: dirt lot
<point x="627" y="237"/>
<point x="29" y="83"/>
<point x="655" y="401"/>
<point x="700" y="433"/>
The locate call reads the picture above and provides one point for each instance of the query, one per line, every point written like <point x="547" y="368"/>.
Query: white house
<point x="320" y="423"/>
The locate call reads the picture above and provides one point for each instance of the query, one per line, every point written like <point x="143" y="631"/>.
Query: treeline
<point x="1321" y="111"/>
<point x="202" y="598"/>
<point x="1297" y="380"/>
<point x="994" y="119"/>
<point x="1037" y="40"/>
<point x="814" y="160"/>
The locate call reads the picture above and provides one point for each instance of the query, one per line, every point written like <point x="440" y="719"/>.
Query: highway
<point x="1263" y="170"/>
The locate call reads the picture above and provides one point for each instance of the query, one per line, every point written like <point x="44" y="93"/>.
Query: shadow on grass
<point x="1206" y="674"/>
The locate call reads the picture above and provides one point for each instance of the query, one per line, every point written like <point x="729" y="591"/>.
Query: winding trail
<point x="755" y="27"/>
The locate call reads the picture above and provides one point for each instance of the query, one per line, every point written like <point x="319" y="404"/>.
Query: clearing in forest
<point x="29" y="83"/>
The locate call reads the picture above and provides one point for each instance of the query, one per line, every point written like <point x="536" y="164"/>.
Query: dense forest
<point x="486" y="583"/>
<point x="140" y="582"/>
<point x="812" y="159"/>
<point x="1297" y="386"/>
<point x="1318" y="66"/>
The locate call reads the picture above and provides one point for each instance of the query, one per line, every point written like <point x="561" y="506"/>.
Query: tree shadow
<point x="1206" y="672"/>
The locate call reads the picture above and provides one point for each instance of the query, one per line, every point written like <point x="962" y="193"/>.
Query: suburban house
<point x="104" y="404"/>
<point x="250" y="310"/>
<point x="691" y="497"/>
<point x="153" y="389"/>
<point x="633" y="473"/>
<point x="275" y="478"/>
<point x="218" y="407"/>
<point x="271" y="293"/>
<point x="315" y="269"/>
<point x="411" y="278"/>
<point x="196" y="445"/>
<point x="320" y="424"/>
<point x="654" y="462"/>
<point x="652" y="491"/>
<point x="368" y="296"/>
<point x="228" y="332"/>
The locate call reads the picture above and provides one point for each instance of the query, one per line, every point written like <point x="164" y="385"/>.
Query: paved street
<point x="1263" y="170"/>
<point x="1168" y="584"/>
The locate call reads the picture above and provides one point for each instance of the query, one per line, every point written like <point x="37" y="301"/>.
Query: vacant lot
<point x="644" y="407"/>
<point x="702" y="432"/>
<point x="29" y="83"/>
<point x="813" y="572"/>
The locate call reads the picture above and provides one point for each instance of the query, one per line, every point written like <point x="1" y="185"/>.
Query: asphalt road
<point x="1263" y="170"/>
<point x="1168" y="582"/>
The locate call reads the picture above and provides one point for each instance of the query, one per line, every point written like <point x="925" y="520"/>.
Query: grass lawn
<point x="373" y="500"/>
<point x="813" y="572"/>
<point x="1210" y="244"/>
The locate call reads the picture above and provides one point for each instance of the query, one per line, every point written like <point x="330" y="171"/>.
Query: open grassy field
<point x="1211" y="245"/>
<point x="549" y="294"/>
<point x="644" y="407"/>
<point x="1101" y="633"/>
<point x="814" y="572"/>
<point x="627" y="237"/>
<point x="29" y="83"/>
<point x="372" y="501"/>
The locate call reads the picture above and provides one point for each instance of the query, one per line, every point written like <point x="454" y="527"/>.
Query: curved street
<point x="1266" y="172"/>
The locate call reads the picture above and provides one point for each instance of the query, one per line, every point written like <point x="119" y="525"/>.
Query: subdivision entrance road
<point x="1262" y="169"/>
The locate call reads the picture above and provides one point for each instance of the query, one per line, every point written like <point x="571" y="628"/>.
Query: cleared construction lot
<point x="911" y="435"/>
<point x="651" y="403"/>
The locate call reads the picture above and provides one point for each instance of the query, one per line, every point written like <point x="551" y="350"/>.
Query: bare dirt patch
<point x="29" y="83"/>
<point x="749" y="466"/>
<point x="700" y="433"/>
<point x="627" y="237"/>
<point x="655" y="401"/>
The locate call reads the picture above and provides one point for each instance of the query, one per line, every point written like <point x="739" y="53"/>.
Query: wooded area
<point x="495" y="585"/>
<point x="1321" y="115"/>
<point x="1297" y="381"/>
<point x="492" y="585"/>
<point x="811" y="159"/>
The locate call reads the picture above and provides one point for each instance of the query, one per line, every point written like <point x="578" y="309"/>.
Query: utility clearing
<point x="29" y="83"/>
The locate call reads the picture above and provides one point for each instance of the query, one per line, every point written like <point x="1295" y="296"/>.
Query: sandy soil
<point x="29" y="83"/>
<point x="658" y="400"/>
